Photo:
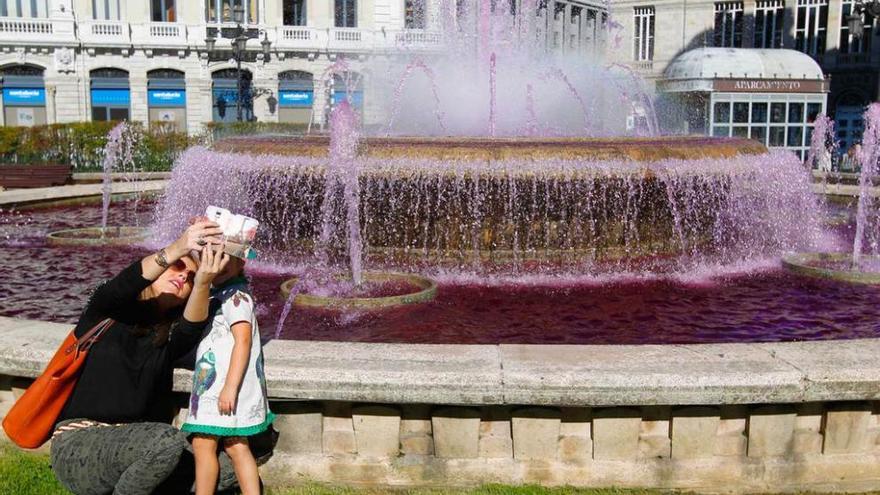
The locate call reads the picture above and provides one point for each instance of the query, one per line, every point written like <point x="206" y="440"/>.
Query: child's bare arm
<point x="241" y="353"/>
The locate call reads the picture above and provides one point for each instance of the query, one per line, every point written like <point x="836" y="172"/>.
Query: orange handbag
<point x="30" y="421"/>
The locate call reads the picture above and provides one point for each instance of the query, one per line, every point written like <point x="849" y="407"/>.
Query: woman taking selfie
<point x="112" y="435"/>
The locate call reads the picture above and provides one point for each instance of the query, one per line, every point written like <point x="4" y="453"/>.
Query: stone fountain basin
<point x="482" y="149"/>
<point x="98" y="236"/>
<point x="427" y="290"/>
<point x="811" y="265"/>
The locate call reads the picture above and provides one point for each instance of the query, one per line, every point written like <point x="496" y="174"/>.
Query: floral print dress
<point x="213" y="358"/>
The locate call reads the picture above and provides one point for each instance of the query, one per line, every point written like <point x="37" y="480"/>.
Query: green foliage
<point x="81" y="145"/>
<point x="220" y="130"/>
<point x="25" y="473"/>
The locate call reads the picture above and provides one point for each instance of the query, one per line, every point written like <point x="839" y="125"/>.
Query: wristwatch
<point x="161" y="260"/>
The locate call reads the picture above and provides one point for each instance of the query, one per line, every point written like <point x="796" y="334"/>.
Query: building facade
<point x="148" y="60"/>
<point x="652" y="34"/>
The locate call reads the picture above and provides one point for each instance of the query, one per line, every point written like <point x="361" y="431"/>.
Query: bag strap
<point x="85" y="342"/>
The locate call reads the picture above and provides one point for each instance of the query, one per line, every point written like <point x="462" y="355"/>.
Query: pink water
<point x="53" y="283"/>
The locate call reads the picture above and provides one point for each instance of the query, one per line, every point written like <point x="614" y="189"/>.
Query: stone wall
<point x="751" y="418"/>
<point x="740" y="448"/>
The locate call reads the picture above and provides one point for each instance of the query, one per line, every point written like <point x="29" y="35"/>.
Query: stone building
<point x="651" y="34"/>
<point x="148" y="60"/>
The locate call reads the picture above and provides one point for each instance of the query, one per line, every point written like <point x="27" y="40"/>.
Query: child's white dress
<point x="213" y="358"/>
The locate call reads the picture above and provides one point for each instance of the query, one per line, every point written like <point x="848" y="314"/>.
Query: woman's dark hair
<point x="156" y="324"/>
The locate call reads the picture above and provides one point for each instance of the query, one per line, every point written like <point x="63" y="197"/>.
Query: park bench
<point x="29" y="175"/>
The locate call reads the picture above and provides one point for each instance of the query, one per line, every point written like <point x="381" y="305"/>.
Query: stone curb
<point x="22" y="196"/>
<point x="558" y="375"/>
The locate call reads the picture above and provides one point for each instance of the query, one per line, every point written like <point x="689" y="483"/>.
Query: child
<point x="228" y="401"/>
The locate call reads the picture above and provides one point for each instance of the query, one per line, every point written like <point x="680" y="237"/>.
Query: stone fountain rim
<point x="799" y="263"/>
<point x="427" y="291"/>
<point x="131" y="235"/>
<point x="523" y="374"/>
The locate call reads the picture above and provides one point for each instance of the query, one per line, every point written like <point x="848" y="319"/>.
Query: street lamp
<point x="239" y="38"/>
<point x="855" y="21"/>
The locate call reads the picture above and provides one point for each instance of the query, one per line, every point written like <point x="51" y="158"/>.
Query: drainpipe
<point x="684" y="14"/>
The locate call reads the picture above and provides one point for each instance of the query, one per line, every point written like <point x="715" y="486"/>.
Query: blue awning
<point x="111" y="97"/>
<point x="355" y="98"/>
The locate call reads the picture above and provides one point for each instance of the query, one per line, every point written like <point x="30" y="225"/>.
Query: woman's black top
<point x="126" y="377"/>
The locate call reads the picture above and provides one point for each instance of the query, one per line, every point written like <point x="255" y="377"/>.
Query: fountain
<point x="862" y="265"/>
<point x="118" y="155"/>
<point x="518" y="175"/>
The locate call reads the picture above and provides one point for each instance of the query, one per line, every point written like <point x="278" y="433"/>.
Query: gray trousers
<point x="130" y="459"/>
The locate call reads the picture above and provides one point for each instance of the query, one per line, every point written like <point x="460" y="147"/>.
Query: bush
<point x="81" y="145"/>
<point x="220" y="130"/>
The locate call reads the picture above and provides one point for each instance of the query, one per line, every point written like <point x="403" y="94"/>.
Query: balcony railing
<point x="417" y="37"/>
<point x="296" y="33"/>
<point x="350" y="39"/>
<point x="165" y="30"/>
<point x="642" y="65"/>
<point x="25" y="26"/>
<point x="178" y="35"/>
<point x="159" y="33"/>
<point x="39" y="31"/>
<point x="101" y="32"/>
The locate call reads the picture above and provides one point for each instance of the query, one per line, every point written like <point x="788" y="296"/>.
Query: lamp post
<point x="239" y="49"/>
<point x="860" y="8"/>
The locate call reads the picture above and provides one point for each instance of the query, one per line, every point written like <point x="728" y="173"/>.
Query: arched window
<point x="166" y="98"/>
<point x="296" y="95"/>
<point x="111" y="97"/>
<point x="348" y="86"/>
<point x="227" y="107"/>
<point x="24" y="95"/>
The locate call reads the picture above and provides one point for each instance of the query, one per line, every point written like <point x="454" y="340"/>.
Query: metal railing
<point x="25" y="26"/>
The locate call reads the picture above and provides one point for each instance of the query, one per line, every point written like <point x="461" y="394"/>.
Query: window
<point x="811" y="26"/>
<point x="643" y="40"/>
<point x="163" y="11"/>
<point x="106" y="10"/>
<point x="346" y="13"/>
<point x="728" y="24"/>
<point x="414" y="14"/>
<point x="221" y="11"/>
<point x="783" y="121"/>
<point x="769" y="16"/>
<point x="24" y="8"/>
<point x="849" y="43"/>
<point x="295" y="13"/>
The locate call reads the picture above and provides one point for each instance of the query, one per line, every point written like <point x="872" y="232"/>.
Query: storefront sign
<point x="24" y="96"/>
<point x="770" y="86"/>
<point x="295" y="98"/>
<point x="111" y="97"/>
<point x="166" y="98"/>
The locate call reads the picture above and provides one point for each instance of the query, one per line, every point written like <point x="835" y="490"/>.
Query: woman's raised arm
<point x="193" y="238"/>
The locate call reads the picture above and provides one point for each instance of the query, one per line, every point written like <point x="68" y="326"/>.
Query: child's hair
<point x="236" y="266"/>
